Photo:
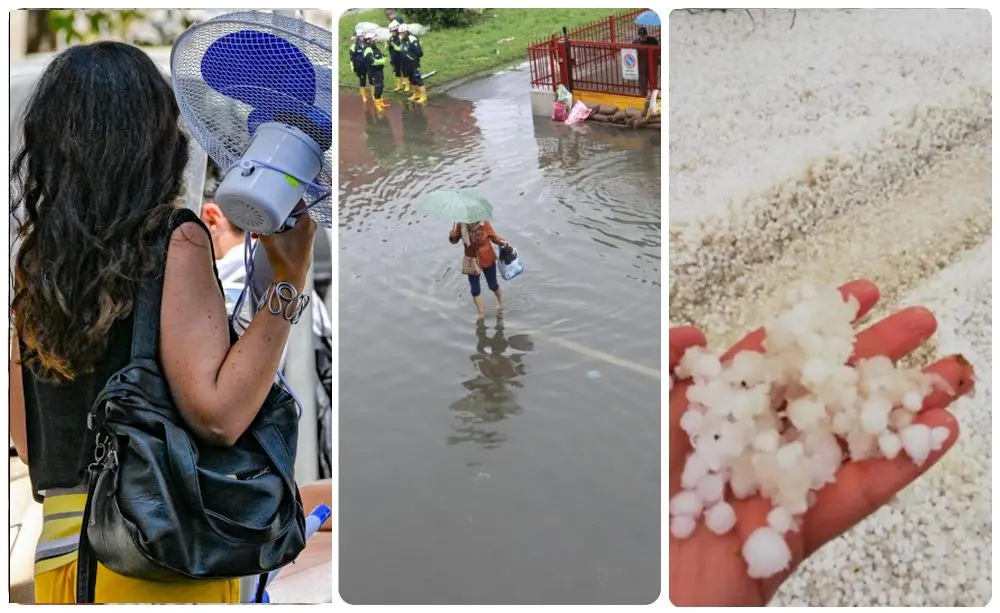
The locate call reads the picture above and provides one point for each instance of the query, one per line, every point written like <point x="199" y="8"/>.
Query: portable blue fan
<point x="255" y="90"/>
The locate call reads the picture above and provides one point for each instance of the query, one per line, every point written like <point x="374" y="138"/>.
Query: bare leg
<point x="499" y="298"/>
<point x="480" y="307"/>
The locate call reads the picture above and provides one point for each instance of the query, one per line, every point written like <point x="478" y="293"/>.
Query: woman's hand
<point x="708" y="569"/>
<point x="290" y="252"/>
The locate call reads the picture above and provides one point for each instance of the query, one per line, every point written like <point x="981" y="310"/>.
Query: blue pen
<point x="314" y="521"/>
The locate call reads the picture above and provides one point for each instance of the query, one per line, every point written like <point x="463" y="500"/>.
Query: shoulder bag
<point x="163" y="506"/>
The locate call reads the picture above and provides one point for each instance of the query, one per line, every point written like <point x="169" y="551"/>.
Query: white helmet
<point x="404" y="28"/>
<point x="369" y="35"/>
<point x="393" y="25"/>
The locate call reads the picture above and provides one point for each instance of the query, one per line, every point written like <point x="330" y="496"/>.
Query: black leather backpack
<point x="163" y="506"/>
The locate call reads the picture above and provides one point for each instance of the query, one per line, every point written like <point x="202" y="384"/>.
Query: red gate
<point x="589" y="58"/>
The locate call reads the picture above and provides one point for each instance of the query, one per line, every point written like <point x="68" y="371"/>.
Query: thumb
<point x="683" y="338"/>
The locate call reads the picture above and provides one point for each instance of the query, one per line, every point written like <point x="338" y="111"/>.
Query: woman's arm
<point x="455" y="235"/>
<point x="217" y="388"/>
<point x="18" y="425"/>
<point x="494" y="237"/>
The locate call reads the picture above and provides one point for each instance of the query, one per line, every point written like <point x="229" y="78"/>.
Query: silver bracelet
<point x="283" y="299"/>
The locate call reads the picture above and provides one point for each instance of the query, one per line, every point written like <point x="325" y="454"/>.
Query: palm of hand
<point x="708" y="569"/>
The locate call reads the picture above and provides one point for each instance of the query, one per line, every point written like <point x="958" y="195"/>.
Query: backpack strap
<point x="146" y="322"/>
<point x="261" y="587"/>
<point x="145" y="339"/>
<point x="86" y="563"/>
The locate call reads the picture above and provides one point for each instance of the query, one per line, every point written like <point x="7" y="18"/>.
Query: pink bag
<point x="580" y="113"/>
<point x="559" y="111"/>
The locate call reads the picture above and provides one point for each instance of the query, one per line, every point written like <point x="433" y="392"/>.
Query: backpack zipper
<point x="251" y="474"/>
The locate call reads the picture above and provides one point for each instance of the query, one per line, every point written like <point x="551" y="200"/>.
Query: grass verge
<point x="499" y="38"/>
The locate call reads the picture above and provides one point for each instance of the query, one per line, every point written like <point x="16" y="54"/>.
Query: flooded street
<point x="514" y="461"/>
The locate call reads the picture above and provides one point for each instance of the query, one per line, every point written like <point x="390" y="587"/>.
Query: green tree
<point x="98" y="24"/>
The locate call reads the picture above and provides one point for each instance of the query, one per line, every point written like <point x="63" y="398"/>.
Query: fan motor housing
<point x="260" y="192"/>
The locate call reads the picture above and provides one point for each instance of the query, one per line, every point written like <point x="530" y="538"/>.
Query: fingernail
<point x="967" y="380"/>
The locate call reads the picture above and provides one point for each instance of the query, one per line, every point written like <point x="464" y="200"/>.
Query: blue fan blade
<point x="259" y="69"/>
<point x="324" y="89"/>
<point x="314" y="122"/>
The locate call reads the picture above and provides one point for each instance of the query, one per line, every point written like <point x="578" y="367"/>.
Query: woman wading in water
<point x="480" y="259"/>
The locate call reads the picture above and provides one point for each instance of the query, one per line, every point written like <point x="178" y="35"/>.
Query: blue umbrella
<point x="649" y="18"/>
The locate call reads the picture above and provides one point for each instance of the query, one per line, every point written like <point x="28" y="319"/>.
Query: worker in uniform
<point x="375" y="61"/>
<point x="412" y="52"/>
<point x="396" y="58"/>
<point x="355" y="55"/>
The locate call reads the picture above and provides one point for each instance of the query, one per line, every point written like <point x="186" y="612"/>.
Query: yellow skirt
<point x="55" y="567"/>
<point x="58" y="586"/>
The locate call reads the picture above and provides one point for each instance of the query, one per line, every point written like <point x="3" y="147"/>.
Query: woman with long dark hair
<point x="99" y="178"/>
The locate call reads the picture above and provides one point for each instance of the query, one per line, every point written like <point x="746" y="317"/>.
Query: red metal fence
<point x="591" y="58"/>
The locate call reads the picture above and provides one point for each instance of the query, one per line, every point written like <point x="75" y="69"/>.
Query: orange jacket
<point x="481" y="244"/>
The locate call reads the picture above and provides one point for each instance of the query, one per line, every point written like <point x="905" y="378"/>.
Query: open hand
<point x="707" y="569"/>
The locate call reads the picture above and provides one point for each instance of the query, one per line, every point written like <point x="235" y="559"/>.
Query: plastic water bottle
<point x="314" y="521"/>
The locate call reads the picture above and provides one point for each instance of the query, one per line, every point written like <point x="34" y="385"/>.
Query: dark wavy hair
<point x="99" y="172"/>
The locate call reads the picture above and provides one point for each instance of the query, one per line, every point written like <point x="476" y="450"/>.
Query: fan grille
<point x="237" y="71"/>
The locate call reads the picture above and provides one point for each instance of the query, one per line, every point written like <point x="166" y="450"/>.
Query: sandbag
<point x="618" y="117"/>
<point x="634" y="112"/>
<point x="599" y="118"/>
<point x="608" y="109"/>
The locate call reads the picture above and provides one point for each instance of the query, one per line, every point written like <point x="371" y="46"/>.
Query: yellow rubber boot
<point x="380" y="104"/>
<point x="364" y="98"/>
<point x="416" y="93"/>
<point x="406" y="86"/>
<point x="399" y="86"/>
<point x="371" y="91"/>
<point x="422" y="98"/>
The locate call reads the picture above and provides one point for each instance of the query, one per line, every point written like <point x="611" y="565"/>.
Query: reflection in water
<point x="415" y="123"/>
<point x="379" y="136"/>
<point x="491" y="398"/>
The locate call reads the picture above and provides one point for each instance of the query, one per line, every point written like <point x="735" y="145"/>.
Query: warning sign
<point x="630" y="64"/>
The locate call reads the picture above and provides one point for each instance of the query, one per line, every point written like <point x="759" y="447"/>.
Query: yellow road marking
<point x="562" y="342"/>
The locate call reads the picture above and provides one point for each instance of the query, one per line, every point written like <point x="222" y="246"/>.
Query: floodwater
<point x="516" y="461"/>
